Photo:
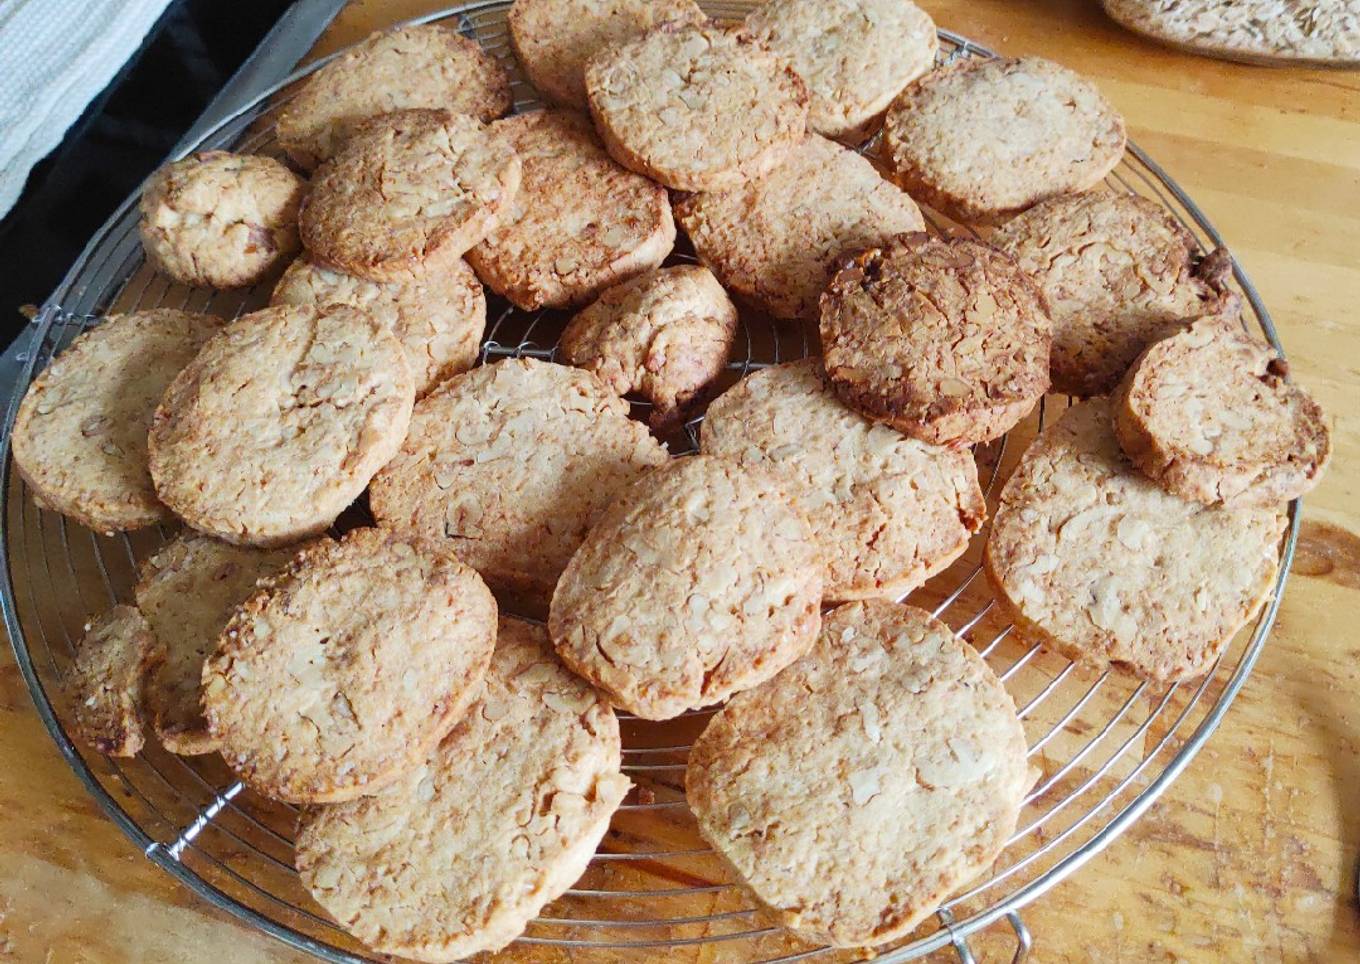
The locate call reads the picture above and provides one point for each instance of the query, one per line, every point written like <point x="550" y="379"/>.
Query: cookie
<point x="554" y="39"/>
<point x="105" y="685"/>
<point x="79" y="439"/>
<point x="665" y="335"/>
<point x="854" y="56"/>
<point x="887" y="512"/>
<point x="409" y="193"/>
<point x="946" y="341"/>
<point x="775" y="241"/>
<point x="700" y="581"/>
<point x="509" y="465"/>
<point x="696" y="107"/>
<point x="1208" y="414"/>
<point x="502" y="817"/>
<point x="188" y="590"/>
<point x="895" y="803"/>
<point x="340" y="674"/>
<point x="279" y="422"/>
<point x="1091" y="558"/>
<point x="1118" y="273"/>
<point x="430" y="66"/>
<point x="439" y="317"/>
<point x="221" y="220"/>
<point x="1321" y="32"/>
<point x="984" y="139"/>
<point x="579" y="223"/>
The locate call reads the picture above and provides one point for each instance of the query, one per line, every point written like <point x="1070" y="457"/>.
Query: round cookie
<point x="342" y="673"/>
<point x="439" y="316"/>
<point x="503" y="816"/>
<point x="775" y="241"/>
<point x="187" y="591"/>
<point x="221" y="220"/>
<point x="105" y="684"/>
<point x="79" y="439"/>
<point x="430" y="66"/>
<point x="554" y="39"/>
<point x="946" y="341"/>
<point x="700" y="581"/>
<point x="279" y="422"/>
<point x="1091" y="558"/>
<point x="1208" y="414"/>
<point x="1118" y="273"/>
<point x="984" y="139"/>
<point x="410" y="192"/>
<point x="896" y="802"/>
<point x="854" y="55"/>
<point x="579" y="223"/>
<point x="665" y="335"/>
<point x="886" y="511"/>
<point x="509" y="465"/>
<point x="697" y="107"/>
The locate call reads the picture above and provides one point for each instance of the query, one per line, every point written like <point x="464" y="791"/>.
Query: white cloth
<point x="55" y="56"/>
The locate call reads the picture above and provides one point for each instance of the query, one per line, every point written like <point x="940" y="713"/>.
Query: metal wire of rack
<point x="1106" y="746"/>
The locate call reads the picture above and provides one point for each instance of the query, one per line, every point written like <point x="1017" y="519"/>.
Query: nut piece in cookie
<point x="105" y="685"/>
<point x="886" y="511"/>
<point x="579" y="223"/>
<point x="502" y="817"/>
<point x="696" y="107"/>
<point x="983" y="139"/>
<point x="775" y="241"/>
<point x="1118" y="273"/>
<point x="431" y="66"/>
<point x="410" y="192"/>
<point x="1208" y="414"/>
<point x="946" y="341"/>
<point x="341" y="673"/>
<point x="509" y="465"/>
<point x="897" y="802"/>
<point x="700" y="581"/>
<point x="279" y="423"/>
<point x="665" y="335"/>
<point x="188" y="590"/>
<point x="221" y="220"/>
<point x="554" y="39"/>
<point x="79" y="439"/>
<point x="854" y="56"/>
<point x="1090" y="557"/>
<point x="438" y="316"/>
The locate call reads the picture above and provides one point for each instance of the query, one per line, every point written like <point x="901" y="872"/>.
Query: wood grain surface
<point x="1252" y="854"/>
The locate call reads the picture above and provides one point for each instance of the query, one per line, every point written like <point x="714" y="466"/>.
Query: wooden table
<point x="1252" y="855"/>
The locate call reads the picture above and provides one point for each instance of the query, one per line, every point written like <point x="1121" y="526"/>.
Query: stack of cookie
<point x="373" y="675"/>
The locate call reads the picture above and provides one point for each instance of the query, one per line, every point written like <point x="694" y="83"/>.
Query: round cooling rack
<point x="1105" y="746"/>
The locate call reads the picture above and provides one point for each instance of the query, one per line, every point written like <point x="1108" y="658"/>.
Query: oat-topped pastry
<point x="430" y="65"/>
<point x="947" y="341"/>
<point x="983" y="139"/>
<point x="501" y="818"/>
<point x="409" y="193"/>
<point x="854" y="55"/>
<point x="1092" y="558"/>
<point x="1118" y="273"/>
<point x="579" y="222"/>
<point x="696" y="107"/>
<point x="700" y="581"/>
<point x="1208" y="413"/>
<point x="221" y="220"/>
<point x="775" y="241"/>
<point x="79" y="439"/>
<point x="105" y="682"/>
<point x="554" y="39"/>
<point x="888" y="760"/>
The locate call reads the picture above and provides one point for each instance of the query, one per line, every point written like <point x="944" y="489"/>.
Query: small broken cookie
<point x="105" y="685"/>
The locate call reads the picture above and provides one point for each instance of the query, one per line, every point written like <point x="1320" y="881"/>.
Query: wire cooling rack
<point x="1106" y="746"/>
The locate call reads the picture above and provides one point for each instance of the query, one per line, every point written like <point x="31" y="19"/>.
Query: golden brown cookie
<point x="105" y="685"/>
